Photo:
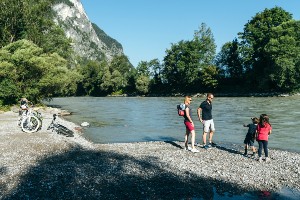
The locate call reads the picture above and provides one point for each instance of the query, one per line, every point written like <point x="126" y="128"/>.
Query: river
<point x="135" y="119"/>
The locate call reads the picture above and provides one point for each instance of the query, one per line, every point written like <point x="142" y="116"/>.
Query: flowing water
<point x="134" y="119"/>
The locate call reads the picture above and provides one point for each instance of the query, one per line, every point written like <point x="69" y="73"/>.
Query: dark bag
<point x="180" y="109"/>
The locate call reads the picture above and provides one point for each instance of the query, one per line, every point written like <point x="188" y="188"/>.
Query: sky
<point x="147" y="28"/>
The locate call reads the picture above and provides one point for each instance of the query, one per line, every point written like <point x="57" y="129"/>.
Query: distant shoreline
<point x="275" y="94"/>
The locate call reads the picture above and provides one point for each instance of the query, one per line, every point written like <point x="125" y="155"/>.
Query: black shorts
<point x="249" y="140"/>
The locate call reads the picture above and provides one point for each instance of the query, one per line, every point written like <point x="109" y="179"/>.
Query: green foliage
<point x="284" y="52"/>
<point x="256" y="36"/>
<point x="91" y="78"/>
<point x="25" y="71"/>
<point x="110" y="42"/>
<point x="209" y="77"/>
<point x="267" y="56"/>
<point x="185" y="61"/>
<point x="12" y="29"/>
<point x="142" y="84"/>
<point x="106" y="83"/>
<point x="32" y="20"/>
<point x="121" y="72"/>
<point x="231" y="61"/>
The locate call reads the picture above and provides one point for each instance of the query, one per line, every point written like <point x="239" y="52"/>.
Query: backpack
<point x="180" y="109"/>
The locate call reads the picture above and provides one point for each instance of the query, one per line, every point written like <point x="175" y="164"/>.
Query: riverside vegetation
<point x="37" y="60"/>
<point x="44" y="165"/>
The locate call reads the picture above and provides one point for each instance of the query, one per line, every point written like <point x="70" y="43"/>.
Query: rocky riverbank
<point x="44" y="165"/>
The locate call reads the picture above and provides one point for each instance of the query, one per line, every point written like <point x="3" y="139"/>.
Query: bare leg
<point x="253" y="149"/>
<point x="186" y="138"/>
<point x="193" y="138"/>
<point x="204" y="138"/>
<point x="210" y="136"/>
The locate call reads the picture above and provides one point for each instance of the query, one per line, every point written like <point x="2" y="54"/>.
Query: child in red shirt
<point x="264" y="129"/>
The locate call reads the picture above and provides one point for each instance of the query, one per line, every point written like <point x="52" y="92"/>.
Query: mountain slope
<point x="89" y="41"/>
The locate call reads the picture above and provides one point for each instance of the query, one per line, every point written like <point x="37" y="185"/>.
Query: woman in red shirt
<point x="264" y="129"/>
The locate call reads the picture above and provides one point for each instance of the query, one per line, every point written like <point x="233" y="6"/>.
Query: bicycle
<point x="30" y="121"/>
<point x="60" y="129"/>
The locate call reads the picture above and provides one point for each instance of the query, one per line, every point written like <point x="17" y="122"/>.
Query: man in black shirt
<point x="204" y="113"/>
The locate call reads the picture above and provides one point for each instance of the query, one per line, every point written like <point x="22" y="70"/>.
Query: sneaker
<point x="267" y="159"/>
<point x="245" y="154"/>
<point x="207" y="146"/>
<point x="200" y="145"/>
<point x="213" y="144"/>
<point x="188" y="148"/>
<point x="259" y="159"/>
<point x="195" y="150"/>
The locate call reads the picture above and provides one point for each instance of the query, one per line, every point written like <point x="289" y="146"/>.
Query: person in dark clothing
<point x="204" y="113"/>
<point x="250" y="136"/>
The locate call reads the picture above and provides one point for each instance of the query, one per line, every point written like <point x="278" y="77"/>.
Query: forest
<point x="37" y="60"/>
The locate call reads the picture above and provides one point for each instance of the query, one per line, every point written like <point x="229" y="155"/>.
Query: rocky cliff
<point x="89" y="41"/>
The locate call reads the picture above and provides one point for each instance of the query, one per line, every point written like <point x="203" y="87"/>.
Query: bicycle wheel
<point x="30" y="124"/>
<point x="40" y="118"/>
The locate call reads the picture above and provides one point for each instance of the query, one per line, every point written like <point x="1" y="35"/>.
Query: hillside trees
<point x="26" y="71"/>
<point x="32" y="20"/>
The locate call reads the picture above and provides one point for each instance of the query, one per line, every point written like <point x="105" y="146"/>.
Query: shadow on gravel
<point x="230" y="150"/>
<point x="82" y="174"/>
<point x="174" y="144"/>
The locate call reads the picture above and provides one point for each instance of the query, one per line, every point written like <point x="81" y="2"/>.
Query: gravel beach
<point x="45" y="165"/>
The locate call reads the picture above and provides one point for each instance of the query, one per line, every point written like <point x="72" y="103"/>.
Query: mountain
<point x="89" y="41"/>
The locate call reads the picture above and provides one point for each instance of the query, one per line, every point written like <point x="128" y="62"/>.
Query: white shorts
<point x="208" y="126"/>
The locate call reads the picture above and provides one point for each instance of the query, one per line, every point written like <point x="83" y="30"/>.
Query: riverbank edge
<point x="225" y="163"/>
<point x="217" y="94"/>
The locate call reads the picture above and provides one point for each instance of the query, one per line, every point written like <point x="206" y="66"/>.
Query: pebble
<point x="45" y="165"/>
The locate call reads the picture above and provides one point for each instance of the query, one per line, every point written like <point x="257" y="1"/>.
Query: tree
<point x="25" y="70"/>
<point x="92" y="73"/>
<point x="106" y="83"/>
<point x="186" y="59"/>
<point x="11" y="20"/>
<point x="209" y="77"/>
<point x="229" y="59"/>
<point x="32" y="20"/>
<point x="257" y="34"/>
<point x="142" y="84"/>
<point x="122" y="71"/>
<point x="284" y="52"/>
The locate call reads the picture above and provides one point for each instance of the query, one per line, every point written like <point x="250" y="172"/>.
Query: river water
<point x="135" y="119"/>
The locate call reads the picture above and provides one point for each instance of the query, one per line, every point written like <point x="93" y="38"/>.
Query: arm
<point x="187" y="112"/>
<point x="199" y="111"/>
